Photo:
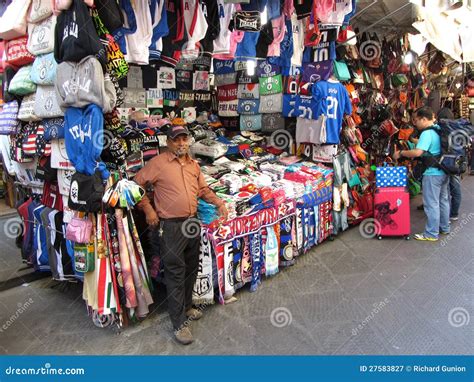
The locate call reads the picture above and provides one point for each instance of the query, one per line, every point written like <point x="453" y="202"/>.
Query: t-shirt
<point x="297" y="27"/>
<point x="289" y="103"/>
<point x="335" y="101"/>
<point x="337" y="14"/>
<point x="222" y="42"/>
<point x="247" y="47"/>
<point x="309" y="131"/>
<point x="271" y="85"/>
<point x="430" y="142"/>
<point x="278" y="26"/>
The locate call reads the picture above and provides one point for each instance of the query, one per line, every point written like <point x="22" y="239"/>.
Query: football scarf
<point x="299" y="231"/>
<point x="271" y="252"/>
<point x="203" y="292"/>
<point x="237" y="247"/>
<point x="219" y="251"/>
<point x="228" y="270"/>
<point x="115" y="259"/>
<point x="107" y="304"/>
<point x="256" y="253"/>
<point x="129" y="286"/>
<point x="142" y="292"/>
<point x="246" y="260"/>
<point x="286" y="242"/>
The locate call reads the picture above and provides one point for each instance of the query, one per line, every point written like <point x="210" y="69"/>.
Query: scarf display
<point x="271" y="252"/>
<point x="203" y="291"/>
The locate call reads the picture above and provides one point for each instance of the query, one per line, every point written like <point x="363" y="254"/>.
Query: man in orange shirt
<point x="177" y="184"/>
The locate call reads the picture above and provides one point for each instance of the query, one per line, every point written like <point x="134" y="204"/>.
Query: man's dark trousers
<point x="180" y="256"/>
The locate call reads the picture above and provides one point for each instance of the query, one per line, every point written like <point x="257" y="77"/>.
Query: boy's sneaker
<point x="422" y="237"/>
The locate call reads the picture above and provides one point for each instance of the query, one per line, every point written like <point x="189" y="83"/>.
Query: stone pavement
<point x="349" y="296"/>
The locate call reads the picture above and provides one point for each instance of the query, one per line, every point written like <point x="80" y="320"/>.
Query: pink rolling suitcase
<point x="392" y="212"/>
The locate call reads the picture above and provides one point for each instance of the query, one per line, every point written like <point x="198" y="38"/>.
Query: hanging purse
<point x="8" y="118"/>
<point x="26" y="112"/>
<point x="399" y="80"/>
<point x="79" y="230"/>
<point x="437" y="63"/>
<point x="13" y="21"/>
<point x="41" y="37"/>
<point x="341" y="71"/>
<point x="21" y="83"/>
<point x="84" y="257"/>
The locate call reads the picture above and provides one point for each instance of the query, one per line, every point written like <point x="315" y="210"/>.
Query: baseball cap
<point x="174" y="131"/>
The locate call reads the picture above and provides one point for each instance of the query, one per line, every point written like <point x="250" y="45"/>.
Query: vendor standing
<point x="177" y="184"/>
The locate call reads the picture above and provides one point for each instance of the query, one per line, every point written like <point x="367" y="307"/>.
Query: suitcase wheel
<point x="407" y="237"/>
<point x="379" y="237"/>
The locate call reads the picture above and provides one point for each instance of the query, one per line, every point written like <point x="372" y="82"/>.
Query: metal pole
<point x="358" y="13"/>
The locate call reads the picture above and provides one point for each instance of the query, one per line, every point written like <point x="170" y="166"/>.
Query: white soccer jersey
<point x="222" y="42"/>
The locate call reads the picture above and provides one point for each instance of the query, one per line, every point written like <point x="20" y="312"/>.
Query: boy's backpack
<point x="455" y="141"/>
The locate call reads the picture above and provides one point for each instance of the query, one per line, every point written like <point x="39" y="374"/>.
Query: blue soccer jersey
<point x="334" y="101"/>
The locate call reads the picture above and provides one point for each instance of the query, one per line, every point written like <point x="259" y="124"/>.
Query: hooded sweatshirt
<point x="84" y="139"/>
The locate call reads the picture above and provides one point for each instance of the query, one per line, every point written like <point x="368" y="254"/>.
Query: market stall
<point x="289" y="106"/>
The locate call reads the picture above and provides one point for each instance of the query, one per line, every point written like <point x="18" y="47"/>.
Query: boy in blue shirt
<point x="435" y="180"/>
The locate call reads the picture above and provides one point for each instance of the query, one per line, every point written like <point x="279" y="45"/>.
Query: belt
<point x="177" y="220"/>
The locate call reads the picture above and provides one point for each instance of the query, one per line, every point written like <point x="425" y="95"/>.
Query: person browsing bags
<point x="435" y="181"/>
<point x="177" y="184"/>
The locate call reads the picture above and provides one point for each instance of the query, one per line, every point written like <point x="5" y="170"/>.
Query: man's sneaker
<point x="184" y="336"/>
<point x="454" y="218"/>
<point x="194" y="314"/>
<point x="444" y="232"/>
<point x="422" y="237"/>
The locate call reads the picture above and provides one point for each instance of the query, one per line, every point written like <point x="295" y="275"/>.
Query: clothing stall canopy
<point x="444" y="23"/>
